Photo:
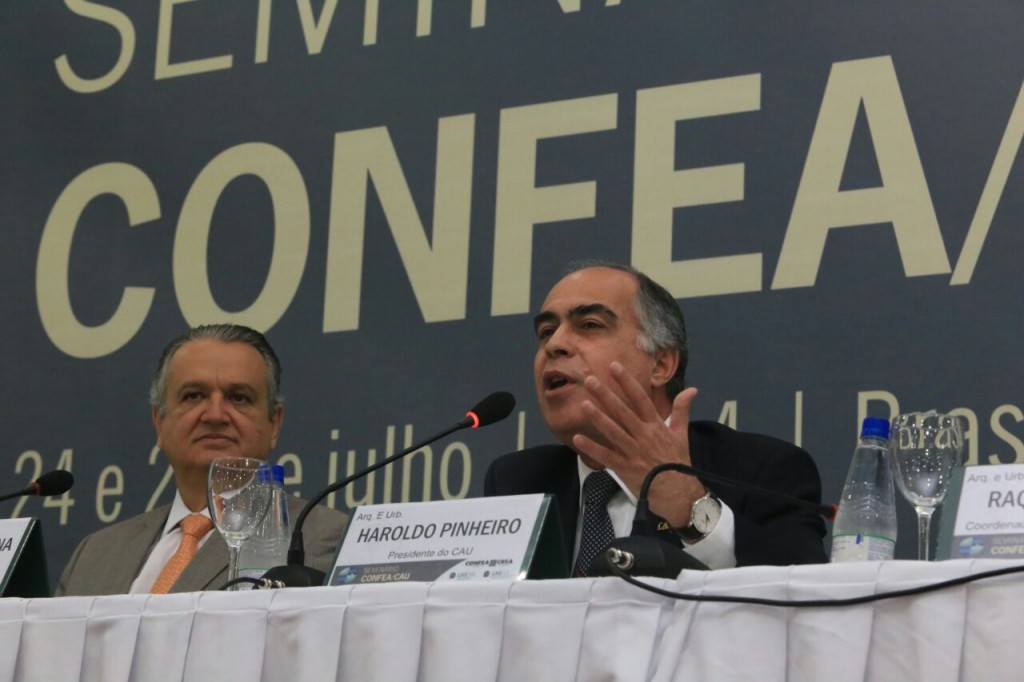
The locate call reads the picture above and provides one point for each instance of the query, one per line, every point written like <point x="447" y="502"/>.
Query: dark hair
<point x="661" y="321"/>
<point x="228" y="333"/>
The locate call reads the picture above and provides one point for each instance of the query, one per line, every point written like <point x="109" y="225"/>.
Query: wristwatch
<point x="704" y="517"/>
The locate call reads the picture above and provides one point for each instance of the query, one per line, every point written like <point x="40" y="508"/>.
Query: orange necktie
<point x="193" y="528"/>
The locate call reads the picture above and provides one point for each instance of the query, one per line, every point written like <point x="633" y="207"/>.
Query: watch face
<point x="705" y="515"/>
<point x="701" y="520"/>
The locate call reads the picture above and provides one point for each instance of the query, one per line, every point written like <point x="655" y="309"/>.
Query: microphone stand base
<point x="644" y="556"/>
<point x="296" y="576"/>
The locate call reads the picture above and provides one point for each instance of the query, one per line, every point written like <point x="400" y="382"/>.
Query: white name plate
<point x="22" y="559"/>
<point x="12" y="534"/>
<point x="989" y="505"/>
<point x="487" y="538"/>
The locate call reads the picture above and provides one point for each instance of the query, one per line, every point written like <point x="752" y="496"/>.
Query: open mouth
<point x="556" y="380"/>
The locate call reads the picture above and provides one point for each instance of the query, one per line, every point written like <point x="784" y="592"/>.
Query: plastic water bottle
<point x="865" y="527"/>
<point x="268" y="546"/>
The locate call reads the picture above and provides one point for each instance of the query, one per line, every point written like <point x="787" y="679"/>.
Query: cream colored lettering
<point x="437" y="269"/>
<point x="53" y="296"/>
<point x="902" y="199"/>
<point x="1004" y="434"/>
<point x="165" y="68"/>
<point x="521" y="204"/>
<point x="291" y="228"/>
<point x="126" y="33"/>
<point x="659" y="189"/>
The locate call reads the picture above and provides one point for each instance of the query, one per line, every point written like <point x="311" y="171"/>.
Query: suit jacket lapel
<point x="568" y="497"/>
<point x="139" y="537"/>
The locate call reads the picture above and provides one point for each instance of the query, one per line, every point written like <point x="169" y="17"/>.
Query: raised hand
<point x="632" y="438"/>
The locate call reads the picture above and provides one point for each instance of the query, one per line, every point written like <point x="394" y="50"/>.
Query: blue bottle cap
<point x="875" y="427"/>
<point x="268" y="471"/>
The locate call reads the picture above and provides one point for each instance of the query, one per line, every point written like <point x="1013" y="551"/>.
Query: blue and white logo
<point x="971" y="547"/>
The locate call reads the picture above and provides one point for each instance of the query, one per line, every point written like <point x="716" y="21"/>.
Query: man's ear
<point x="666" y="362"/>
<point x="157" y="421"/>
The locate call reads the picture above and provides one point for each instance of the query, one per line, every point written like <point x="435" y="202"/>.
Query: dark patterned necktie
<point x="598" y="488"/>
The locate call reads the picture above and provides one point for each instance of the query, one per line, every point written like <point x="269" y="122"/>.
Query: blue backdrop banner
<point x="388" y="189"/>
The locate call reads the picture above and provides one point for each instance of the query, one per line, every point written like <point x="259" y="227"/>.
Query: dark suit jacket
<point x="107" y="561"/>
<point x="768" y="530"/>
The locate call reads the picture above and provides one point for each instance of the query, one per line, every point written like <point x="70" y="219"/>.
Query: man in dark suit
<point x="609" y="372"/>
<point x="216" y="393"/>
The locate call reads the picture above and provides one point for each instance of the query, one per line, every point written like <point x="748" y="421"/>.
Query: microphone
<point x="491" y="409"/>
<point x="642" y="553"/>
<point x="55" y="482"/>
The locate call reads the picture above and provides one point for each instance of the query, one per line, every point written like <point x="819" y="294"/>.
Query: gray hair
<point x="661" y="321"/>
<point x="227" y="333"/>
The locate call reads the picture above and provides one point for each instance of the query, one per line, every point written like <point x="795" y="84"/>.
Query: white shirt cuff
<point x="718" y="549"/>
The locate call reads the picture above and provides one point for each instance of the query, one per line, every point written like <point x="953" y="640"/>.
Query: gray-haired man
<point x="216" y="393"/>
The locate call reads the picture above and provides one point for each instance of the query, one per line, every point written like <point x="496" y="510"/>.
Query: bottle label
<point x="859" y="547"/>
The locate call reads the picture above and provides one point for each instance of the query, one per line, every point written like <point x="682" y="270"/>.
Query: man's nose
<point x="214" y="411"/>
<point x="561" y="342"/>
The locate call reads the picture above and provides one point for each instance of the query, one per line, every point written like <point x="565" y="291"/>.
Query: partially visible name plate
<point x="988" y="502"/>
<point x="22" y="559"/>
<point x="489" y="538"/>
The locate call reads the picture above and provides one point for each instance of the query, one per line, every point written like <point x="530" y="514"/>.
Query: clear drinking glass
<point x="925" y="447"/>
<point x="238" y="502"/>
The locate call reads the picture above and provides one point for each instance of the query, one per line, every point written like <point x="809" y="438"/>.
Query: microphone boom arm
<point x="296" y="550"/>
<point x="491" y="409"/>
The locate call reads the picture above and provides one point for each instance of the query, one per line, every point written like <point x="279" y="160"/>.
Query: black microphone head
<point x="56" y="482"/>
<point x="493" y="408"/>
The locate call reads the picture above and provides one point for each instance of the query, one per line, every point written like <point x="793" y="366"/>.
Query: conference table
<point x="582" y="629"/>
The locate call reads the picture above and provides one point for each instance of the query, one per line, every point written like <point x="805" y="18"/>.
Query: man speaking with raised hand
<point x="608" y="371"/>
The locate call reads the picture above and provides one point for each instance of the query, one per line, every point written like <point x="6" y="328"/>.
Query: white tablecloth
<point x="588" y="629"/>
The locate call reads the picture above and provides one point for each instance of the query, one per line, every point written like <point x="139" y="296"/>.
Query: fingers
<point x="607" y="411"/>
<point x="623" y="399"/>
<point x="681" y="410"/>
<point x="636" y="395"/>
<point x="611" y="430"/>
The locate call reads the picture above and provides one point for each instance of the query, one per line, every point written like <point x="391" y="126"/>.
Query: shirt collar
<point x="178" y="512"/>
<point x="585" y="471"/>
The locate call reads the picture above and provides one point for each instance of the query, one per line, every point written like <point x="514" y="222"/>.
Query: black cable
<point x="238" y="581"/>
<point x="851" y="601"/>
<point x="257" y="583"/>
